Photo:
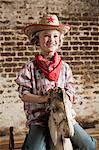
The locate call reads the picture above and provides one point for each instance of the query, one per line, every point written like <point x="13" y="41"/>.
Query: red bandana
<point x="51" y="69"/>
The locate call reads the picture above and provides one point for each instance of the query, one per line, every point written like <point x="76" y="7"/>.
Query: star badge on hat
<point x="50" y="19"/>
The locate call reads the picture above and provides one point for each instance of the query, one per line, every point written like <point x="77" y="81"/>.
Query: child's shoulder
<point x="65" y="64"/>
<point x="29" y="64"/>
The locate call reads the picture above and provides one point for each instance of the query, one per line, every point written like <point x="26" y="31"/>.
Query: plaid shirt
<point x="31" y="79"/>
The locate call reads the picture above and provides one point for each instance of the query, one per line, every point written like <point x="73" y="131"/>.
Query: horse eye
<point x="56" y="109"/>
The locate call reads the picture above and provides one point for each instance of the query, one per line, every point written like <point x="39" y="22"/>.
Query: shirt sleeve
<point x="24" y="80"/>
<point x="70" y="84"/>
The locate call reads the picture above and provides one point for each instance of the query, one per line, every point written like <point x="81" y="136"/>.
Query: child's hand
<point x="47" y="98"/>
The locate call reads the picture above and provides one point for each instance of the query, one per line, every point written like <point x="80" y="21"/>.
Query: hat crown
<point x="49" y="20"/>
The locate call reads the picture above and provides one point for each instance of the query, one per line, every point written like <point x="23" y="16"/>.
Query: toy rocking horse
<point x="60" y="124"/>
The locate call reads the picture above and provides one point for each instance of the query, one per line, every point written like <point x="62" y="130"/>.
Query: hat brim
<point x="34" y="28"/>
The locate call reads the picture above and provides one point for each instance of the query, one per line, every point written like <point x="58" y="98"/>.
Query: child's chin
<point x="51" y="53"/>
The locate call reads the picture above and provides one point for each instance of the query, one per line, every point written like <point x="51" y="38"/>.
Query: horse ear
<point x="53" y="129"/>
<point x="67" y="105"/>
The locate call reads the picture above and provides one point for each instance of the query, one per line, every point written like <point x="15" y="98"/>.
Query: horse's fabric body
<point x="60" y="120"/>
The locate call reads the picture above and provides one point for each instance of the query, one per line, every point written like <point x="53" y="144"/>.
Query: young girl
<point x="47" y="71"/>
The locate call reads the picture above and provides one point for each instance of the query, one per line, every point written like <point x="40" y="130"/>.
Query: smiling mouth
<point x="52" y="45"/>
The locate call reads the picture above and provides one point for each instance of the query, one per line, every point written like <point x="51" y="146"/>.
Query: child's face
<point x="49" y="41"/>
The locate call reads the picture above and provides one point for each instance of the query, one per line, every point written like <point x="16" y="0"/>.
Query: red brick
<point x="9" y="64"/>
<point x="25" y="59"/>
<point x="78" y="72"/>
<point x="22" y="48"/>
<point x="95" y="48"/>
<point x="65" y="53"/>
<point x="30" y="48"/>
<point x="95" y="62"/>
<point x="1" y="49"/>
<point x="20" y="54"/>
<point x="74" y="28"/>
<point x="76" y="43"/>
<point x="95" y="53"/>
<point x="97" y="58"/>
<point x="85" y="28"/>
<point x="76" y="63"/>
<point x="77" y="58"/>
<point x="31" y="58"/>
<point x="95" y="38"/>
<point x="4" y="75"/>
<point x="9" y="59"/>
<point x="67" y="58"/>
<point x="66" y="48"/>
<point x="19" y="43"/>
<point x="8" y="54"/>
<point x="89" y="18"/>
<point x="17" y="59"/>
<point x="96" y="92"/>
<point x="94" y="23"/>
<point x="18" y="22"/>
<point x="68" y="38"/>
<point x="75" y="48"/>
<point x="34" y="53"/>
<point x="21" y="64"/>
<point x="19" y="27"/>
<point x="75" y="23"/>
<point x="87" y="53"/>
<point x="85" y="47"/>
<point x="8" y="69"/>
<point x="74" y="33"/>
<point x="30" y="18"/>
<point x="8" y="43"/>
<point x="87" y="58"/>
<point x="76" y="53"/>
<point x="95" y="33"/>
<point x="85" y="43"/>
<point x="65" y="43"/>
<point x="75" y="38"/>
<point x="1" y="38"/>
<point x="11" y="75"/>
<point x="16" y="69"/>
<point x="94" y="43"/>
<point x="96" y="67"/>
<point x="86" y="33"/>
<point x="7" y="48"/>
<point x="85" y="24"/>
<point x="28" y="43"/>
<point x="7" y="33"/>
<point x="95" y="28"/>
<point x="85" y="38"/>
<point x="96" y="72"/>
<point x="1" y="59"/>
<point x="1" y="69"/>
<point x="7" y="38"/>
<point x="20" y="59"/>
<point x="28" y="53"/>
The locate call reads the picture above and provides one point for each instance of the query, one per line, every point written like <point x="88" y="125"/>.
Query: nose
<point x="51" y="38"/>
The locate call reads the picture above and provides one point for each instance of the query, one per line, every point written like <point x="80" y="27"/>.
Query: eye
<point x="56" y="109"/>
<point x="55" y="36"/>
<point x="45" y="35"/>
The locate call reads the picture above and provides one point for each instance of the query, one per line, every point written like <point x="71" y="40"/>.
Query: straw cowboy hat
<point x="47" y="22"/>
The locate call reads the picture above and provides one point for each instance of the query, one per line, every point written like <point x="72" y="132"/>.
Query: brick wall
<point x="80" y="50"/>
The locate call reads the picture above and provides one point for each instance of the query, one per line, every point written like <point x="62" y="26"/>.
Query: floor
<point x="4" y="141"/>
